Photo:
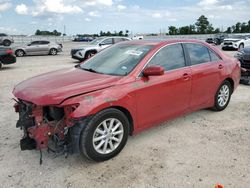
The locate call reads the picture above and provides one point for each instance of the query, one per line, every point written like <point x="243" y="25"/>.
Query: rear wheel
<point x="105" y="135"/>
<point x="6" y="42"/>
<point x="53" y="51"/>
<point x="19" y="53"/>
<point x="223" y="96"/>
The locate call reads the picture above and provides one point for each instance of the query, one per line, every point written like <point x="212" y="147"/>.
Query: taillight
<point x="9" y="51"/>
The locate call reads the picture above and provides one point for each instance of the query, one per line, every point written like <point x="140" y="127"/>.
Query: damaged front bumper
<point x="44" y="127"/>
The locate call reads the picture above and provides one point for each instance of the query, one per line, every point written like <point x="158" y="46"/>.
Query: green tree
<point x="202" y="24"/>
<point x="229" y="30"/>
<point x="172" y="30"/>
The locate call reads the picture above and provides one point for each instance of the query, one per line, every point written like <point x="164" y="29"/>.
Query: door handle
<point x="221" y="66"/>
<point x="186" y="76"/>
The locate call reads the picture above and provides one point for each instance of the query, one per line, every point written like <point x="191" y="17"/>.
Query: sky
<point x="137" y="16"/>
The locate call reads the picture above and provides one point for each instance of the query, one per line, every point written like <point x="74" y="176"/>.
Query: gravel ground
<point x="200" y="149"/>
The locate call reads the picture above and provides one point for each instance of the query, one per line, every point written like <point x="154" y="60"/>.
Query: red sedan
<point x="93" y="107"/>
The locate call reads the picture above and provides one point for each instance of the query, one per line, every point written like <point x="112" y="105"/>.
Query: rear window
<point x="214" y="56"/>
<point x="198" y="53"/>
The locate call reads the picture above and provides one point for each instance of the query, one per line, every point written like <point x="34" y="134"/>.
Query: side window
<point x="34" y="43"/>
<point x="214" y="56"/>
<point x="170" y="57"/>
<point x="108" y="41"/>
<point x="44" y="42"/>
<point x="116" y="40"/>
<point x="198" y="53"/>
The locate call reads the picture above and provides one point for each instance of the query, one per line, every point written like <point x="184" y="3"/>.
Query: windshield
<point x="96" y="41"/>
<point x="118" y="60"/>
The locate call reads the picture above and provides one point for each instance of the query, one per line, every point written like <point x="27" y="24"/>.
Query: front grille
<point x="228" y="43"/>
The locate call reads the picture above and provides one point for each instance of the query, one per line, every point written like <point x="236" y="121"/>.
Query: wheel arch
<point x="128" y="115"/>
<point x="231" y="81"/>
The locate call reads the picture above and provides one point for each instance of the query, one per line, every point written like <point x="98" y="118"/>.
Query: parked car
<point x="137" y="37"/>
<point x="219" y="38"/>
<point x="84" y="52"/>
<point x="238" y="42"/>
<point x="210" y="40"/>
<point x="129" y="87"/>
<point x="41" y="47"/>
<point x="83" y="39"/>
<point x="6" y="56"/>
<point x="244" y="58"/>
<point x="5" y="39"/>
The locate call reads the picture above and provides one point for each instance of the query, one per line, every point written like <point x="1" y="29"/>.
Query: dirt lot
<point x="197" y="150"/>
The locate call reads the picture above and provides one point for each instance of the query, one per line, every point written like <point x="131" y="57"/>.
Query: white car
<point x="84" y="52"/>
<point x="137" y="37"/>
<point x="238" y="42"/>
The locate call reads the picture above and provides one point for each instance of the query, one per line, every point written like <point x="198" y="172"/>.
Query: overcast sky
<point x="138" y="16"/>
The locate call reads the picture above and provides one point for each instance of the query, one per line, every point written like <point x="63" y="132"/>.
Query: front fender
<point x="94" y="102"/>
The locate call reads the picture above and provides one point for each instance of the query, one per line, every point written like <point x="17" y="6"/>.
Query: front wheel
<point x="89" y="55"/>
<point x="105" y="135"/>
<point x="223" y="96"/>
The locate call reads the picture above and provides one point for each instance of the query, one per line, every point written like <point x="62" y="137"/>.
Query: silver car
<point x="5" y="39"/>
<point x="38" y="48"/>
<point x="86" y="51"/>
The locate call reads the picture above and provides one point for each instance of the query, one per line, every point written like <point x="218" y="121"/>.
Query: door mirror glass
<point x="153" y="71"/>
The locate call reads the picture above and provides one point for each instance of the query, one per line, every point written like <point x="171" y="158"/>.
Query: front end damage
<point x="45" y="126"/>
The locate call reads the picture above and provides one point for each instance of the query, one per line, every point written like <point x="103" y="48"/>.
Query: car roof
<point x="162" y="41"/>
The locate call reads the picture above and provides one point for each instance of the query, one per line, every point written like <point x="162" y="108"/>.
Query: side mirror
<point x="101" y="44"/>
<point x="153" y="71"/>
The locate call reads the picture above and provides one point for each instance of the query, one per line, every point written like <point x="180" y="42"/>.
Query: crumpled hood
<point x="54" y="87"/>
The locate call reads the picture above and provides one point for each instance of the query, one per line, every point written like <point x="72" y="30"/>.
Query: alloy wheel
<point x="108" y="136"/>
<point x="223" y="95"/>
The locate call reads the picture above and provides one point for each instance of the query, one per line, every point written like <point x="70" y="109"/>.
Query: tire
<point x="53" y="51"/>
<point x="94" y="137"/>
<point x="1" y="65"/>
<point x="89" y="54"/>
<point x="223" y="96"/>
<point x="6" y="42"/>
<point x="20" y="53"/>
<point x="241" y="46"/>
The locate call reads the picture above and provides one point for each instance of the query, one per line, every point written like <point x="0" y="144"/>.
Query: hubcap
<point x="108" y="136"/>
<point x="223" y="96"/>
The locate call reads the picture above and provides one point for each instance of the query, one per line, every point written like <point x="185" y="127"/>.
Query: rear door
<point x="206" y="67"/>
<point x="162" y="97"/>
<point x="44" y="47"/>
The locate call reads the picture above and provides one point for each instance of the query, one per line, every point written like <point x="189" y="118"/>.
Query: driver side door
<point x="162" y="97"/>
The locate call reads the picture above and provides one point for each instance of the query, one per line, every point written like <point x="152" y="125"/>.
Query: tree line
<point x="203" y="26"/>
<point x="54" y="33"/>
